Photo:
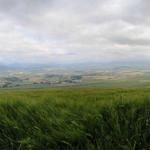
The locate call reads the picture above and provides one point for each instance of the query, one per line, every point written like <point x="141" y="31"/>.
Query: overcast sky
<point x="44" y="31"/>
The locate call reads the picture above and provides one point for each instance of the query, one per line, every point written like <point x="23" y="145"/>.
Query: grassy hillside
<point x="75" y="119"/>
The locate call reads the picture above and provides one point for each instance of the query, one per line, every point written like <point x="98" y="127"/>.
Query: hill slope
<point x="76" y="118"/>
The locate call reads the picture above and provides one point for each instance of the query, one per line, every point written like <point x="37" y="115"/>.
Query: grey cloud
<point x="130" y="41"/>
<point x="68" y="30"/>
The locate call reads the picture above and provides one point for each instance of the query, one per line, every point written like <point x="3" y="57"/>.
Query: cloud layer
<point x="44" y="31"/>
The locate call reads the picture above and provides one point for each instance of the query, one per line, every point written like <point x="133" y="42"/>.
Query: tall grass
<point x="75" y="119"/>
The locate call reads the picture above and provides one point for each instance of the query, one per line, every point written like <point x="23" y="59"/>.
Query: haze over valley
<point x="114" y="74"/>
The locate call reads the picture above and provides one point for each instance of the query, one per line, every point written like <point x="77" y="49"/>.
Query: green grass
<point x="75" y="119"/>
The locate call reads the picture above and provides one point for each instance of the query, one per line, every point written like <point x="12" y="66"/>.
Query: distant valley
<point x="123" y="76"/>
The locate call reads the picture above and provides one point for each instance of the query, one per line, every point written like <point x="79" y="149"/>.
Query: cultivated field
<point x="75" y="119"/>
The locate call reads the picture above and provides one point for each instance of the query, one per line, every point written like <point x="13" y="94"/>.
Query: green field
<point x="75" y="119"/>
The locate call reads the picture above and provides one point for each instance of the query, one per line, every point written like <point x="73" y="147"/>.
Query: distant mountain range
<point x="77" y="66"/>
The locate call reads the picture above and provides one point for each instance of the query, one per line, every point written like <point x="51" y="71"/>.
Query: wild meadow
<point x="75" y="119"/>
